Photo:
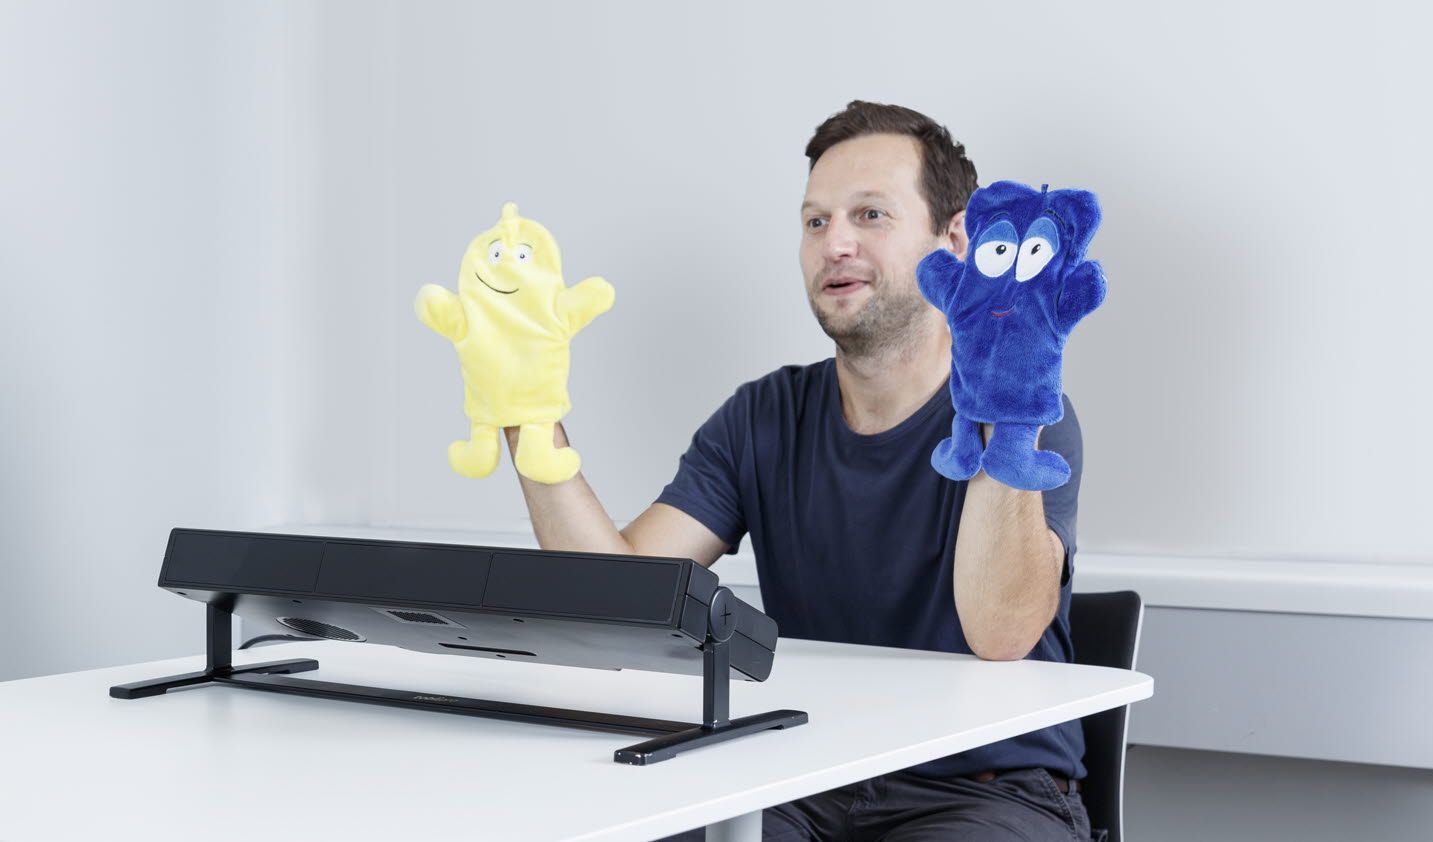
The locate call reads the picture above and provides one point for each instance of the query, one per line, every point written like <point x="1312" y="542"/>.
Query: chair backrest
<point x="1105" y="630"/>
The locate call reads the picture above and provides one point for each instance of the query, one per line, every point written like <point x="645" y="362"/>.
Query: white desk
<point x="218" y="763"/>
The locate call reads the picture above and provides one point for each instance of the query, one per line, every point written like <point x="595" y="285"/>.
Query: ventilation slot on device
<point x="418" y="618"/>
<point x="318" y="629"/>
<point x="488" y="649"/>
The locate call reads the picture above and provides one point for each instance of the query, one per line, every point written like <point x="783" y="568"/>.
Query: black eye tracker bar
<point x="574" y="609"/>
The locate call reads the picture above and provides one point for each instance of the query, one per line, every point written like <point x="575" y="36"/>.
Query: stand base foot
<point x="160" y="686"/>
<point x="670" y="745"/>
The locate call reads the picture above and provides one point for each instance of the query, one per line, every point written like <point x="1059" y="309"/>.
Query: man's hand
<point x="988" y="430"/>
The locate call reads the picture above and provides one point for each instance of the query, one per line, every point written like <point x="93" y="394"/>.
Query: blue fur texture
<point x="1011" y="304"/>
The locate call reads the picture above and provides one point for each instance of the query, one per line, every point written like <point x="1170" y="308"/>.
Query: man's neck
<point x="881" y="390"/>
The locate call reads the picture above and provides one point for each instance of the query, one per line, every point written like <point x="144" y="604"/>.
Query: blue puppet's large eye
<point x="1041" y="243"/>
<point x="993" y="259"/>
<point x="995" y="250"/>
<point x="1035" y="252"/>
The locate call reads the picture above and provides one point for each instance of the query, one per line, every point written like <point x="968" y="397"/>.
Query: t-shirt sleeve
<point x="1062" y="504"/>
<point x="707" y="483"/>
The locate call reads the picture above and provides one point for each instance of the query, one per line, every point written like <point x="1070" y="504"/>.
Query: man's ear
<point x="955" y="237"/>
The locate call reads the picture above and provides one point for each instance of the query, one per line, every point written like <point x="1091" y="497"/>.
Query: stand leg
<point x="218" y="637"/>
<point x="218" y="658"/>
<point x="716" y="707"/>
<point x="716" y="684"/>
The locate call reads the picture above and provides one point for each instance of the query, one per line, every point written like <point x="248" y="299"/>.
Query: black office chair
<point x="1105" y="630"/>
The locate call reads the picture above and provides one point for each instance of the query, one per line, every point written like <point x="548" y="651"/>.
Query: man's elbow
<point x="1000" y="640"/>
<point x="1001" y="648"/>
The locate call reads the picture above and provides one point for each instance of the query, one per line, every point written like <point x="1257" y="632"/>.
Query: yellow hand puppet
<point x="511" y="321"/>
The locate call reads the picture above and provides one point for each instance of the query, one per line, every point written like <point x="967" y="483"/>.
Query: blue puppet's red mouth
<point x="1009" y="304"/>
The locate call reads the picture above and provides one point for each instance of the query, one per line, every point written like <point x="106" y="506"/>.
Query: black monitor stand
<point x="670" y="737"/>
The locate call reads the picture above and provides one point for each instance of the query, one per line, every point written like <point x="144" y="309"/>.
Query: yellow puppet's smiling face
<point x="514" y="263"/>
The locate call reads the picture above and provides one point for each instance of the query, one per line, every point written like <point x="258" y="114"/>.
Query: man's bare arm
<point x="568" y="516"/>
<point x="1007" y="569"/>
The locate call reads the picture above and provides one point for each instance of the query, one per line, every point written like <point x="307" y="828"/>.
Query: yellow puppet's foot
<point x="478" y="457"/>
<point x="538" y="459"/>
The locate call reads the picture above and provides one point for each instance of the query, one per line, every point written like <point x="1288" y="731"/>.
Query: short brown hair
<point x="947" y="176"/>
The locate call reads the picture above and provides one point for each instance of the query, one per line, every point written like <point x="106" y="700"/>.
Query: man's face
<point x="865" y="226"/>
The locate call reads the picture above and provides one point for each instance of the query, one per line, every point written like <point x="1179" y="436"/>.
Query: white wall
<point x="154" y="208"/>
<point x="1248" y="390"/>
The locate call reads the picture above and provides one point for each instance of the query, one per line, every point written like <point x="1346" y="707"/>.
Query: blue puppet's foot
<point x="1011" y="458"/>
<point x="958" y="457"/>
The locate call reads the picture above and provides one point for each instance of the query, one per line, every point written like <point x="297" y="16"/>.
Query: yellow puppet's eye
<point x="524" y="253"/>
<point x="495" y="252"/>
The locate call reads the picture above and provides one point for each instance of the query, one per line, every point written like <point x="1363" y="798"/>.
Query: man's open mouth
<point x="491" y="287"/>
<point x="842" y="286"/>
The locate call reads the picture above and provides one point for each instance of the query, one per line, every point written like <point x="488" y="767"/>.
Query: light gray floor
<point x="1173" y="795"/>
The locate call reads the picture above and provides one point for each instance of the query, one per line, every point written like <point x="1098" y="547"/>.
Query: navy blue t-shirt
<point x="854" y="535"/>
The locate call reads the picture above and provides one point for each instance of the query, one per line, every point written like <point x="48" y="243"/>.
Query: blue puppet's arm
<point x="939" y="275"/>
<point x="1083" y="291"/>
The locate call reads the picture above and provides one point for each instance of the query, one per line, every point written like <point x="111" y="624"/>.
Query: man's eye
<point x="872" y="214"/>
<point x="815" y="222"/>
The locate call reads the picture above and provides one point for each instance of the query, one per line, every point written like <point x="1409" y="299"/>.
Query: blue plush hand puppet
<point x="1010" y="306"/>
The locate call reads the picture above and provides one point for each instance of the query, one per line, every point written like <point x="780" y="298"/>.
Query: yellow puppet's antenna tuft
<point x="510" y="221"/>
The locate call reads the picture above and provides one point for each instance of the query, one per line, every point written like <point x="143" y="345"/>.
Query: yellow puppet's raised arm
<point x="580" y="304"/>
<point x="440" y="309"/>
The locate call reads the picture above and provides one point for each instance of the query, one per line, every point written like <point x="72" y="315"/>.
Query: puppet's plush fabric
<point x="510" y="322"/>
<point x="1010" y="305"/>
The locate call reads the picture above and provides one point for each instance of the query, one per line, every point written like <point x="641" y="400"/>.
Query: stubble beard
<point x="887" y="323"/>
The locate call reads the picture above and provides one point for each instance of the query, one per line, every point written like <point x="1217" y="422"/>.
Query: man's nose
<point x="840" y="240"/>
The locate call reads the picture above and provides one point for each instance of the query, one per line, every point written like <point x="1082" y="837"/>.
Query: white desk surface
<point x="216" y="762"/>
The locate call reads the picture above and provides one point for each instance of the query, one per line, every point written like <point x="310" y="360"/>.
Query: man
<point x="857" y="538"/>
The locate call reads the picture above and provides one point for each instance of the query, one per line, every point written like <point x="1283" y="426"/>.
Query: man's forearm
<point x="1007" y="569"/>
<point x="568" y="515"/>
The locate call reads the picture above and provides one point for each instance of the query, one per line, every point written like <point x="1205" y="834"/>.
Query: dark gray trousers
<point x="1020" y="805"/>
